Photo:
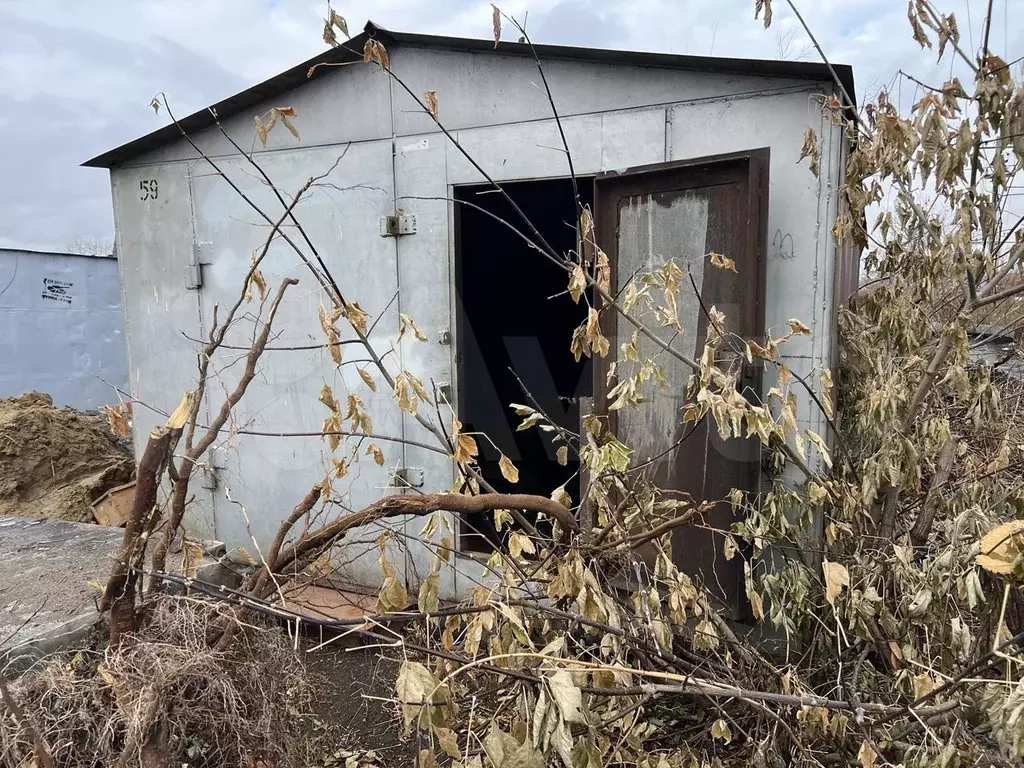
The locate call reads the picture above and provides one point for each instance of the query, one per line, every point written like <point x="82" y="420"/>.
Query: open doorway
<point x="514" y="324"/>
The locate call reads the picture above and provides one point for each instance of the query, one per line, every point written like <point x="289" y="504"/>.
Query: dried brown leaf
<point x="797" y="328"/>
<point x="766" y="6"/>
<point x="378" y="455"/>
<point x="261" y="129"/>
<point x="286" y="113"/>
<point x="339" y="21"/>
<point x="836" y="578"/>
<point x="430" y="97"/>
<point x="368" y="380"/>
<point x="328" y="399"/>
<point x="811" y="150"/>
<point x="329" y="37"/>
<point x="496" y="24"/>
<point x="119" y="417"/>
<point x="508" y="469"/>
<point x="1001" y="546"/>
<point x="722" y="262"/>
<point x="358" y="317"/>
<point x="375" y="51"/>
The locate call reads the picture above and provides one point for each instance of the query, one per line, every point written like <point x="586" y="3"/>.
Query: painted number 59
<point x="148" y="189"/>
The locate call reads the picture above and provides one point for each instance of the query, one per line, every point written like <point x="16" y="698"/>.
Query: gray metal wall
<point x="61" y="327"/>
<point x="614" y="117"/>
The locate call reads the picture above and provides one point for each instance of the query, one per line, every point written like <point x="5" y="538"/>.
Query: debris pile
<point x="55" y="462"/>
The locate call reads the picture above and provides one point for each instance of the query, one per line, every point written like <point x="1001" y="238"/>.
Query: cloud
<point x="76" y="78"/>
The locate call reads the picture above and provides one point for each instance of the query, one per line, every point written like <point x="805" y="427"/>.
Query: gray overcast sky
<point x="76" y="76"/>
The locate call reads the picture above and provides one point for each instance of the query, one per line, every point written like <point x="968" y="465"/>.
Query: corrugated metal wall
<point x="392" y="156"/>
<point x="61" y="327"/>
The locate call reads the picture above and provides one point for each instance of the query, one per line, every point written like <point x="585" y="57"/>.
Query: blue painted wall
<point x="61" y="328"/>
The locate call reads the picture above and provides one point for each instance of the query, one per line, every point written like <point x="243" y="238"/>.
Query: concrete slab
<point x="45" y="570"/>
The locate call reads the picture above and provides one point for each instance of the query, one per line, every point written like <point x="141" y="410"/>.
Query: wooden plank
<point x="114" y="506"/>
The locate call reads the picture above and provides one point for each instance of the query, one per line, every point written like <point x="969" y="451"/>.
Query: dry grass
<point x="166" y="699"/>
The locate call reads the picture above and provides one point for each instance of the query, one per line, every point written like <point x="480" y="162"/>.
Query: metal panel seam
<point x="743" y="96"/>
<point x="406" y="560"/>
<point x="199" y="310"/>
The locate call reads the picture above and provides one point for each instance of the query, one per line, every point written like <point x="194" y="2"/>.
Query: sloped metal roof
<point x="352" y="50"/>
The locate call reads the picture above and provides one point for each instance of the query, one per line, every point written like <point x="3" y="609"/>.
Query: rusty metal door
<point x="684" y="211"/>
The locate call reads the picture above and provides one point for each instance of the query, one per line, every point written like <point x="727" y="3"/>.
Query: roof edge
<point x="352" y="50"/>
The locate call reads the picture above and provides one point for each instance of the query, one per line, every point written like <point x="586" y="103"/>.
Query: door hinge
<point x="194" y="268"/>
<point x="398" y="224"/>
<point x="407" y="477"/>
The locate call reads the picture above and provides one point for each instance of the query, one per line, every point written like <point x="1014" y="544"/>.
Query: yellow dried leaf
<point x="1001" y="546"/>
<point x="597" y="341"/>
<point x="428" y="600"/>
<point x="562" y="454"/>
<point x="818" y="442"/>
<point x="449" y="743"/>
<point x="797" y="328"/>
<point x="430" y="97"/>
<point x="836" y="577"/>
<point x="756" y="605"/>
<point x="285" y="113"/>
<point x="338" y="21"/>
<point x="586" y="223"/>
<point x="329" y="37"/>
<point x="604" y="271"/>
<point x="358" y="317"/>
<point x="255" y="278"/>
<point x="508" y="469"/>
<point x="119" y="418"/>
<point x="106" y="675"/>
<point x="466" y="449"/>
<point x="378" y="455"/>
<point x="826" y="392"/>
<point x="368" y="380"/>
<point x="327" y="321"/>
<point x="722" y="262"/>
<point x="261" y="129"/>
<point x="246" y="555"/>
<point x="867" y="755"/>
<point x="811" y="150"/>
<point x="406" y="323"/>
<point x="327" y="398"/>
<point x="765" y="353"/>
<point x="720" y="730"/>
<point x="519" y="543"/>
<point x="375" y="51"/>
<point x="577" y="283"/>
<point x="924" y="684"/>
<point x="465" y="445"/>
<point x="562" y="497"/>
<point x="393" y="595"/>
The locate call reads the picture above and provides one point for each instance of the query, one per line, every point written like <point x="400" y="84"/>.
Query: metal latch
<point x="398" y="224"/>
<point x="407" y="477"/>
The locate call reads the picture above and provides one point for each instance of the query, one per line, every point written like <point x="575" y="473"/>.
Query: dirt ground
<point x="55" y="462"/>
<point x="354" y="718"/>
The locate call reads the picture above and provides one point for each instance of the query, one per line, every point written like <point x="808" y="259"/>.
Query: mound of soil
<point x="55" y="462"/>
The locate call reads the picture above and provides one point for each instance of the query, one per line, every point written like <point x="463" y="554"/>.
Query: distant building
<point x="61" y="329"/>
